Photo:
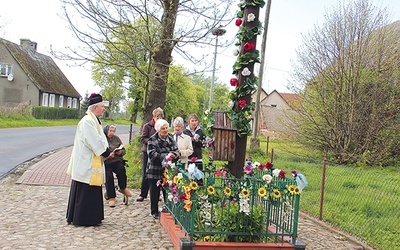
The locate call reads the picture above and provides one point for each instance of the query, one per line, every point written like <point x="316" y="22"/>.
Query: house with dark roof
<point x="27" y="76"/>
<point x="277" y="111"/>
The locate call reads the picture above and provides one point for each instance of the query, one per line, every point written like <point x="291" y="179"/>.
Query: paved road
<point x="22" y="144"/>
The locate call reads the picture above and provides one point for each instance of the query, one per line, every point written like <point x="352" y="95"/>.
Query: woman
<point x="115" y="165"/>
<point x="147" y="131"/>
<point x="161" y="148"/>
<point x="197" y="136"/>
<point x="183" y="141"/>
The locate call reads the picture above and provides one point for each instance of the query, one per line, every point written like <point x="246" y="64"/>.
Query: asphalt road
<point x="19" y="145"/>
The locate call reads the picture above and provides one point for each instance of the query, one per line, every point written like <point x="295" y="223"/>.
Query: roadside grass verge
<point x="23" y="121"/>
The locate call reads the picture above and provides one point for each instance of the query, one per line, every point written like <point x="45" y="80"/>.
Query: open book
<point x="119" y="148"/>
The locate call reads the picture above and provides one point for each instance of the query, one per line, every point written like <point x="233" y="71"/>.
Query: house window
<point x="6" y="69"/>
<point x="74" y="103"/>
<point x="52" y="100"/>
<point x="45" y="100"/>
<point x="61" y="101"/>
<point x="69" y="102"/>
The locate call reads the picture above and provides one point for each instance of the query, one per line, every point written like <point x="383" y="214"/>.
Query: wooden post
<point x="321" y="200"/>
<point x="236" y="166"/>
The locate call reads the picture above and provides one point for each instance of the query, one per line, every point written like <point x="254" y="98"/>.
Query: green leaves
<point x="253" y="3"/>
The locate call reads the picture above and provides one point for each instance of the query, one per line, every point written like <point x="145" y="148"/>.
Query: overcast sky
<point x="39" y="21"/>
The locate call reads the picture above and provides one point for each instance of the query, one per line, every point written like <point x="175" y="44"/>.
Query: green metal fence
<point x="222" y="208"/>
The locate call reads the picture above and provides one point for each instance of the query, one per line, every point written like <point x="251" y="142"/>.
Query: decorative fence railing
<point x="222" y="208"/>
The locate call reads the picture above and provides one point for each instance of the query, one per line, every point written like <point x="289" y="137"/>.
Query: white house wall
<point x="20" y="89"/>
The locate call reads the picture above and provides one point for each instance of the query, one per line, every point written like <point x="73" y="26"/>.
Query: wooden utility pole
<point x="255" y="141"/>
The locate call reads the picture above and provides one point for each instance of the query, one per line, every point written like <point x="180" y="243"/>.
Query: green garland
<point x="253" y="3"/>
<point x="240" y="113"/>
<point x="245" y="59"/>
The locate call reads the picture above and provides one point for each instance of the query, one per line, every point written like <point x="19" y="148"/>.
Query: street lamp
<point x="216" y="32"/>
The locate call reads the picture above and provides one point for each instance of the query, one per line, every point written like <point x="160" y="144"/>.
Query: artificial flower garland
<point x="240" y="111"/>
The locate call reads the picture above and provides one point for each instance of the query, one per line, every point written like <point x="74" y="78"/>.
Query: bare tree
<point x="182" y="22"/>
<point x="350" y="85"/>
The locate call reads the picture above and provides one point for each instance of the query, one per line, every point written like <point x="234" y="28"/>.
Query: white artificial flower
<point x="230" y="104"/>
<point x="207" y="112"/>
<point x="256" y="164"/>
<point x="276" y="172"/>
<point x="180" y="176"/>
<point x="267" y="178"/>
<point x="251" y="17"/>
<point x="246" y="72"/>
<point x="170" y="197"/>
<point x="207" y="216"/>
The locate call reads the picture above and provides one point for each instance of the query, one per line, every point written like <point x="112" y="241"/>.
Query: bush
<point x="42" y="112"/>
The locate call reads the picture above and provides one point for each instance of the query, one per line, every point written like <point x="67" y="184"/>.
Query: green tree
<point x="180" y="23"/>
<point x="350" y="85"/>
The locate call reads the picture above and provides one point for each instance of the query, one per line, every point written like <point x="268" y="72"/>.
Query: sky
<point x="40" y="22"/>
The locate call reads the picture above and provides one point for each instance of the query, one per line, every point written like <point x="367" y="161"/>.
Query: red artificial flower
<point x="282" y="174"/>
<point x="294" y="173"/>
<point x="262" y="166"/>
<point x="193" y="159"/>
<point x="182" y="197"/>
<point x="238" y="22"/>
<point x="242" y="103"/>
<point x="268" y="165"/>
<point x="248" y="46"/>
<point x="234" y="82"/>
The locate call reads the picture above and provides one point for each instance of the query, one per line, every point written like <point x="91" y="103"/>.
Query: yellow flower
<point x="188" y="188"/>
<point x="276" y="193"/>
<point x="296" y="190"/>
<point x="211" y="190"/>
<point x="207" y="238"/>
<point x="193" y="185"/>
<point x="262" y="192"/>
<point x="188" y="205"/>
<point x="176" y="179"/>
<point x="227" y="191"/>
<point x="245" y="193"/>
<point x="291" y="189"/>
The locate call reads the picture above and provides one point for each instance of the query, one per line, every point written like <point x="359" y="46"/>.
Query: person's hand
<point x="118" y="152"/>
<point x="196" y="137"/>
<point x="112" y="154"/>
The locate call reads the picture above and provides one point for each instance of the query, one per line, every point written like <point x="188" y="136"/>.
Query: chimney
<point x="28" y="44"/>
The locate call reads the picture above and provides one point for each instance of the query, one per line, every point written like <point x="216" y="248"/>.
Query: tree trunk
<point x="162" y="59"/>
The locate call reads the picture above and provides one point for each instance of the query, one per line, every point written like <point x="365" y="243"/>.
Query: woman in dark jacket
<point x="194" y="131"/>
<point x="115" y="165"/>
<point x="147" y="131"/>
<point x="161" y="148"/>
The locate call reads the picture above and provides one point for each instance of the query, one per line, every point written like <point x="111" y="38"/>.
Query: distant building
<point x="27" y="76"/>
<point x="278" y="110"/>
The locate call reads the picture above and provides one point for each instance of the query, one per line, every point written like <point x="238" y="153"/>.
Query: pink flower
<point x="294" y="173"/>
<point x="242" y="103"/>
<point x="238" y="22"/>
<point x="248" y="169"/>
<point x="234" y="82"/>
